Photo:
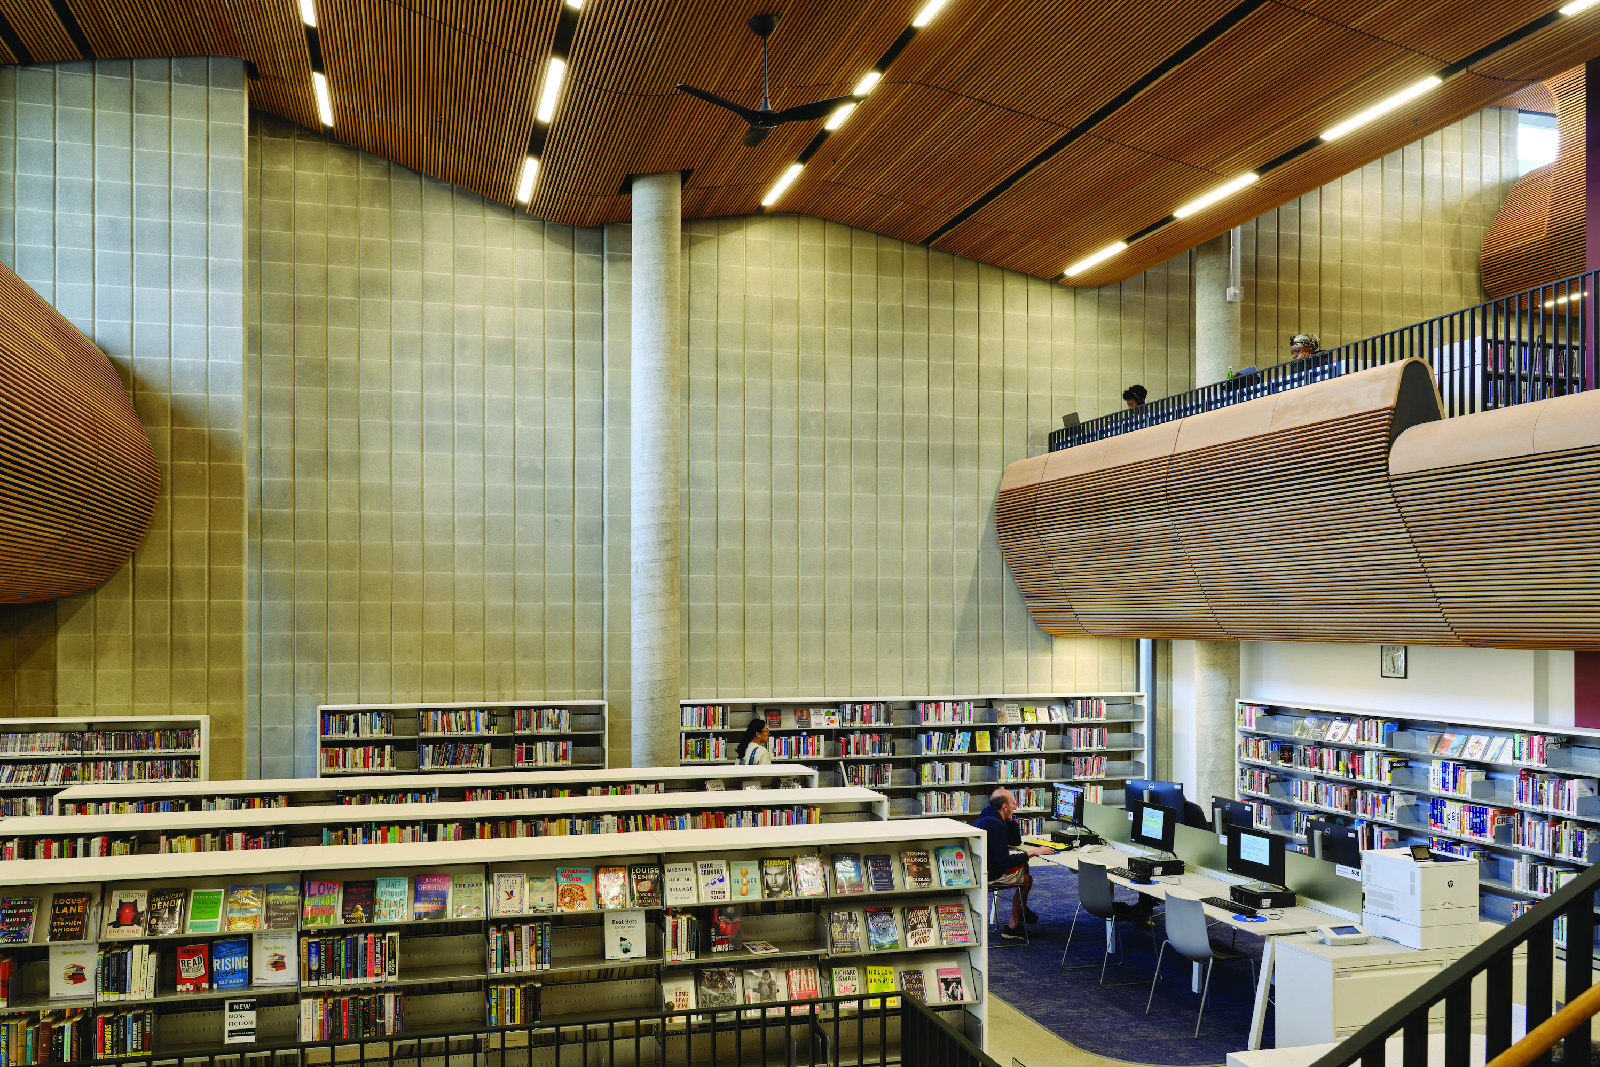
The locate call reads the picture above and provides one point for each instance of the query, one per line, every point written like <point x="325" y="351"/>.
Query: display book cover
<point x="883" y="932"/>
<point x="272" y="957"/>
<point x="431" y="897"/>
<point x="126" y="910"/>
<point x="575" y="889"/>
<point x="954" y="872"/>
<point x="358" y="902"/>
<point x="680" y="886"/>
<point x="69" y="916"/>
<point x="880" y="873"/>
<point x="625" y="935"/>
<point x="245" y="906"/>
<point x="166" y="911"/>
<point x="230" y="963"/>
<point x="744" y="878"/>
<point x="16" y="919"/>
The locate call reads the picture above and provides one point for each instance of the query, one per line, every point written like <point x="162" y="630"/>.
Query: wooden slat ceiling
<point x="449" y="87"/>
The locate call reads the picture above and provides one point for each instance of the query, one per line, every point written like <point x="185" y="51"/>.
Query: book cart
<point x="446" y="738"/>
<point x="127" y="956"/>
<point x="113" y="798"/>
<point x="1523" y="799"/>
<point x="940" y="755"/>
<point x="41" y="757"/>
<point x="68" y="836"/>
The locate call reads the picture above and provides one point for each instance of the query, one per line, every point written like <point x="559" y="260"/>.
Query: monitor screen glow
<point x="1253" y="849"/>
<point x="1154" y="820"/>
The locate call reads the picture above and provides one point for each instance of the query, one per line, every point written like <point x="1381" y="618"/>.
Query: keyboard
<point x="1229" y="906"/>
<point x="1123" y="872"/>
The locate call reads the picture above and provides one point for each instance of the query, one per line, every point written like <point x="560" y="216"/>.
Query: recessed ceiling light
<point x="552" y="89"/>
<point x="836" y="119"/>
<point x="319" y="86"/>
<point x="530" y="171"/>
<point x="868" y="80"/>
<point x="1380" y="108"/>
<point x="1105" y="253"/>
<point x="782" y="183"/>
<point x="1577" y="6"/>
<point x="1214" y="195"/>
<point x="925" y="16"/>
<point x="308" y="13"/>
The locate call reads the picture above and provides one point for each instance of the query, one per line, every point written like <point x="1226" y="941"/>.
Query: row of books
<point x="149" y="806"/>
<point x="40" y="774"/>
<point x="452" y="754"/>
<point x="944" y="712"/>
<point x="340" y="1018"/>
<point x="357" y="959"/>
<point x="1551" y="791"/>
<point x="1015" y="713"/>
<point x="1534" y="876"/>
<point x="1448" y="776"/>
<point x="1361" y="764"/>
<point x="801" y="981"/>
<point x="1449" y="847"/>
<point x="944" y="773"/>
<point x="1470" y="820"/>
<point x="358" y="758"/>
<point x="52" y="848"/>
<point x="542" y="754"/>
<point x="514" y="1004"/>
<point x="455" y="721"/>
<point x="1083" y="767"/>
<point x="1087" y="737"/>
<point x="1497" y="748"/>
<point x="869" y="775"/>
<point x="798" y="746"/>
<point x="703" y="717"/>
<point x="701" y="749"/>
<point x="27" y="804"/>
<point x="1557" y="836"/>
<point x="1031" y="796"/>
<point x="1033" y="769"/>
<point x="859" y="744"/>
<point x="889" y="929"/>
<point x="142" y="770"/>
<point x="234" y="841"/>
<point x="357" y="724"/>
<point x="131" y="972"/>
<point x="940" y="802"/>
<point x="520" y="947"/>
<point x="49" y="742"/>
<point x="39" y="743"/>
<point x="63" y="1037"/>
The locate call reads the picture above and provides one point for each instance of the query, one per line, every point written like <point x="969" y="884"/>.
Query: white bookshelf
<point x="459" y="738"/>
<point x="69" y="836"/>
<point x="1388" y="780"/>
<point x="1099" y="742"/>
<point x="113" y="798"/>
<point x="443" y="969"/>
<point x="41" y="757"/>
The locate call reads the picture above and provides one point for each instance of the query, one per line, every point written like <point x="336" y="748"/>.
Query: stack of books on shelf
<point x="451" y="738"/>
<point x="39" y="757"/>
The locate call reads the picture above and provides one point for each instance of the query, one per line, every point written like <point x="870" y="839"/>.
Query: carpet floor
<point x="1111" y="1022"/>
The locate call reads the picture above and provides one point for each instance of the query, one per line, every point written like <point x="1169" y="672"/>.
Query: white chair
<point x="1189" y="935"/>
<point x="1095" y="897"/>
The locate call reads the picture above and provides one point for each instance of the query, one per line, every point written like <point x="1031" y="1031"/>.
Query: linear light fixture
<point x="783" y="182"/>
<point x="836" y="119"/>
<point x="870" y="79"/>
<point x="552" y="89"/>
<point x="1216" y="194"/>
<point x="308" y="13"/>
<point x="925" y="16"/>
<point x="1574" y="296"/>
<point x="530" y="171"/>
<point x="1577" y="6"/>
<point x="1105" y="253"/>
<point x="319" y="86"/>
<point x="576" y="5"/>
<point x="1375" y="110"/>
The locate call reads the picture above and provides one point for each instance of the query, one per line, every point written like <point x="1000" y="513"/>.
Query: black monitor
<point x="1225" y="811"/>
<point x="1167" y="794"/>
<point x="1256" y="855"/>
<point x="1330" y="841"/>
<point x="1069" y="804"/>
<point x="1153" y="825"/>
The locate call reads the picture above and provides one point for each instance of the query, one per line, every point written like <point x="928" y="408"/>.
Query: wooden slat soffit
<point x="1341" y="511"/>
<point x="78" y="478"/>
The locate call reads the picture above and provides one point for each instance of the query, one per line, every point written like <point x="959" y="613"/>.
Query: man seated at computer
<point x="1008" y="858"/>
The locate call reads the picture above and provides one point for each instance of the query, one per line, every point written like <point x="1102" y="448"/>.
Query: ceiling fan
<point x="763" y="119"/>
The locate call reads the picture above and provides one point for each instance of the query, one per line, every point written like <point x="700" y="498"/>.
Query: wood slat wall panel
<point x="78" y="478"/>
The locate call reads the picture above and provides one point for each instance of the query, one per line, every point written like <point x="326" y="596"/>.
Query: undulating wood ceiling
<point x="449" y="88"/>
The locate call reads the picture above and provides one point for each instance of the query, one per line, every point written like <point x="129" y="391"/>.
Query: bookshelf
<point x="454" y="738"/>
<point x="112" y="798"/>
<point x="911" y="747"/>
<point x="447" y="972"/>
<point x="1521" y="798"/>
<point x="187" y="832"/>
<point x="41" y="757"/>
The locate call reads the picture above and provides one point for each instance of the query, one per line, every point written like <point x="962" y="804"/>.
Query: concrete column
<point x="656" y="414"/>
<point x="1216" y="674"/>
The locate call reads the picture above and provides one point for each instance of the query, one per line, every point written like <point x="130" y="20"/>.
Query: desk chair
<point x="1188" y="934"/>
<point x="1011" y="880"/>
<point x="1095" y="897"/>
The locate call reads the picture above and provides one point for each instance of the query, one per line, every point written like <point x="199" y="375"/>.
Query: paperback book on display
<point x="125" y="913"/>
<point x="245" y="906"/>
<point x="680" y="887"/>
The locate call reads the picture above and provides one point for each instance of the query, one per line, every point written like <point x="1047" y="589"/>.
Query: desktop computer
<point x="1330" y="841"/>
<point x="1167" y="794"/>
<point x="1258" y="855"/>
<point x="1225" y="811"/>
<point x="1069" y="812"/>
<point x="1154" y="827"/>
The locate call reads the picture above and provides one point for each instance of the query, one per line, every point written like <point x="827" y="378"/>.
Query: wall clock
<point x="1392" y="661"/>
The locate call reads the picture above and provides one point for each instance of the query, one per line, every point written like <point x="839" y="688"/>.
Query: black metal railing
<point x="1565" y="918"/>
<point x="1531" y="346"/>
<point x="861" y="1031"/>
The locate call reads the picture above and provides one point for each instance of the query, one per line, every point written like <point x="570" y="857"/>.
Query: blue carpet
<point x="1111" y="1022"/>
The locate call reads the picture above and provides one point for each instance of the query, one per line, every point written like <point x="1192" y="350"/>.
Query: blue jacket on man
<point x="1004" y="848"/>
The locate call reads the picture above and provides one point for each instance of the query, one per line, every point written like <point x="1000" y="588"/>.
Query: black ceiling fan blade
<point x="755" y="135"/>
<point x="807" y="112"/>
<point x="745" y="113"/>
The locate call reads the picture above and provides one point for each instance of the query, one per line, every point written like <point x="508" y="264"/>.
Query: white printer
<point x="1422" y="905"/>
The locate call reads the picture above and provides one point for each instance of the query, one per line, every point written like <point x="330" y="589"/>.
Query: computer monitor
<point x="1167" y="794"/>
<point x="1255" y="854"/>
<point x="1330" y="841"/>
<point x="1154" y="826"/>
<point x="1225" y="811"/>
<point x="1069" y="804"/>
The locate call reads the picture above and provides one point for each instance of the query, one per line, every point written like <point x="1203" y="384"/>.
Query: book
<point x="677" y="992"/>
<point x="164" y="917"/>
<point x="880" y="873"/>
<point x="611" y="886"/>
<point x="510" y="893"/>
<point x="914" y="983"/>
<point x="644" y="884"/>
<point x="542" y="892"/>
<point x="954" y="873"/>
<point x="69" y="916"/>
<point x="680" y="886"/>
<point x="719" y="987"/>
<point x="205" y="911"/>
<point x="390" y="899"/>
<point x="245" y="905"/>
<point x="271" y="961"/>
<point x="466" y="895"/>
<point x="727" y="928"/>
<point x="319" y="906"/>
<point x="625" y="935"/>
<point x="713" y="882"/>
<point x="883" y="932"/>
<point x="810" y="878"/>
<point x="72" y="969"/>
<point x="954" y="929"/>
<point x="358" y="903"/>
<point x="744" y="879"/>
<point x="777" y="879"/>
<point x="575" y="889"/>
<point x="1476" y="746"/>
<point x="430" y="897"/>
<point x="844" y="932"/>
<point x="846" y="981"/>
<point x="760" y="948"/>
<point x="847" y="877"/>
<point x="1442" y="744"/>
<point x="952" y="990"/>
<point x="881" y="980"/>
<point x="803" y="982"/>
<point x="802" y="718"/>
<point x="125" y="913"/>
<point x="765" y="985"/>
<point x="193" y="968"/>
<point x="230" y="963"/>
<point x="1499" y="750"/>
<point x="914" y="864"/>
<point x="919" y="926"/>
<point x="283" y="906"/>
<point x="16" y="919"/>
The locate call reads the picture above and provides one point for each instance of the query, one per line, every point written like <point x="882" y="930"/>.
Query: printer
<point x="1422" y="905"/>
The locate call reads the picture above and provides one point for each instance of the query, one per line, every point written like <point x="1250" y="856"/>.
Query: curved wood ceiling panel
<point x="1418" y="26"/>
<point x="41" y="32"/>
<point x="78" y="479"/>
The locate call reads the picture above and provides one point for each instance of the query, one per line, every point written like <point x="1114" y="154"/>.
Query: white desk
<point x="1296" y="920"/>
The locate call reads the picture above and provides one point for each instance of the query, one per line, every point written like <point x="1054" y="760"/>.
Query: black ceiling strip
<point x="536" y="143"/>
<point x="1505" y="42"/>
<point x="811" y="149"/>
<point x="69" y="22"/>
<point x="895" y="49"/>
<point x="1238" y="14"/>
<point x="1148" y="230"/>
<point x="1298" y="150"/>
<point x="566" y="27"/>
<point x="14" y="43"/>
<point x="314" y="46"/>
<point x="252" y="71"/>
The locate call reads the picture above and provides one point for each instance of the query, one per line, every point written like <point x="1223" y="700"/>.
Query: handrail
<point x="1572" y="909"/>
<point x="1544" y="1037"/>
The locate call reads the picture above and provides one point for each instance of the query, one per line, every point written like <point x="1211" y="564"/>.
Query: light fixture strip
<point x="530" y="171"/>
<point x="548" y="99"/>
<point x="319" y="86"/>
<point x="1216" y="194"/>
<point x="784" y="181"/>
<point x="1104" y="254"/>
<point x="308" y="13"/>
<point x="1404" y="95"/>
<point x="929" y="10"/>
